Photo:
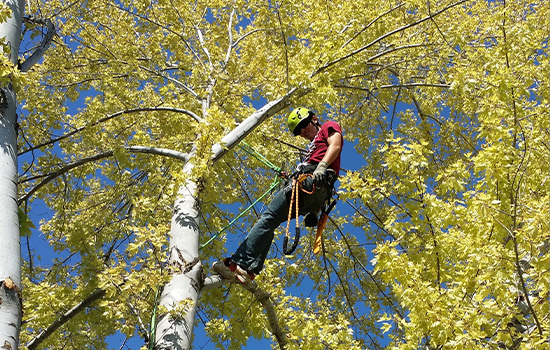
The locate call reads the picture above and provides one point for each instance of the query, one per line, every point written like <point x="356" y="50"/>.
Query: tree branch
<point x="137" y="149"/>
<point x="265" y="299"/>
<point x="371" y="23"/>
<point x="249" y="124"/>
<point x="33" y="344"/>
<point x="393" y="49"/>
<point x="410" y="85"/>
<point x="111" y="116"/>
<point x="175" y="81"/>
<point x="216" y="281"/>
<point x="184" y="157"/>
<point x="520" y="275"/>
<point x="44" y="44"/>
<point x="230" y="37"/>
<point x="283" y="36"/>
<point x="400" y="29"/>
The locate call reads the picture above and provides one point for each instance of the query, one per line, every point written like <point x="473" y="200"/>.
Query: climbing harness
<point x="297" y="187"/>
<point x="322" y="223"/>
<point x="294" y="204"/>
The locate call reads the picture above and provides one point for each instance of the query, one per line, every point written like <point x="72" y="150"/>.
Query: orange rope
<point x="294" y="201"/>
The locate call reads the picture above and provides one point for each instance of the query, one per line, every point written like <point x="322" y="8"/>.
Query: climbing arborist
<point x="322" y="164"/>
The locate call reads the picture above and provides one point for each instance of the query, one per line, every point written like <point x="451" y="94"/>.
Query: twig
<point x="445" y="86"/>
<point x="364" y="268"/>
<point x="175" y="81"/>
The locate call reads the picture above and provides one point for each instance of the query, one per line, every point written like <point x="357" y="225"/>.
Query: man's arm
<point x="334" y="141"/>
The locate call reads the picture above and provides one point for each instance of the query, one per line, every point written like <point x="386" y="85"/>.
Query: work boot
<point x="225" y="268"/>
<point x="243" y="276"/>
<point x="229" y="270"/>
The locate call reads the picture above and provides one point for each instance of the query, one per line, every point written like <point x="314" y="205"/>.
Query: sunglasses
<point x="300" y="126"/>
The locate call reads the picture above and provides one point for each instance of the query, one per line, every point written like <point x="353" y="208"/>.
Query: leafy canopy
<point x="445" y="105"/>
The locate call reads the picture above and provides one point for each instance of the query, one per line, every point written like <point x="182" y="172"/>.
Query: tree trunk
<point x="10" y="251"/>
<point x="174" y="330"/>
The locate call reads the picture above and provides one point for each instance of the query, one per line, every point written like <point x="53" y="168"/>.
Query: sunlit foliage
<point x="440" y="238"/>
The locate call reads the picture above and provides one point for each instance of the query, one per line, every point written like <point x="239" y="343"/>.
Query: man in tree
<point x="322" y="163"/>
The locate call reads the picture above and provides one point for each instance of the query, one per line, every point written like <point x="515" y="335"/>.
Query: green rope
<point x="258" y="156"/>
<point x="153" y="323"/>
<point x="275" y="183"/>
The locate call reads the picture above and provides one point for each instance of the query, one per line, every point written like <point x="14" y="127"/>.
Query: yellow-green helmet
<point x="296" y="116"/>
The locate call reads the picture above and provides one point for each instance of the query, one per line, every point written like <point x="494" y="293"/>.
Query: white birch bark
<point x="174" y="330"/>
<point x="10" y="251"/>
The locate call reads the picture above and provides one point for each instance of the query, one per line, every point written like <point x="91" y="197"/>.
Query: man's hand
<point x="319" y="173"/>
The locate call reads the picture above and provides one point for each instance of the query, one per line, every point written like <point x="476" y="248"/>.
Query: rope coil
<point x="294" y="202"/>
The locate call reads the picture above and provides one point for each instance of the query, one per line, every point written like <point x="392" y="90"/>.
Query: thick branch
<point x="44" y="44"/>
<point x="249" y="124"/>
<point x="33" y="344"/>
<point x="111" y="116"/>
<point x="184" y="157"/>
<point x="213" y="282"/>
<point x="266" y="302"/>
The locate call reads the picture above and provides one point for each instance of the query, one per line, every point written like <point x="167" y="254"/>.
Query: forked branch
<point x="44" y="44"/>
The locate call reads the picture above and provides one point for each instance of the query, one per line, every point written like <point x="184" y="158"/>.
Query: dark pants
<point x="253" y="251"/>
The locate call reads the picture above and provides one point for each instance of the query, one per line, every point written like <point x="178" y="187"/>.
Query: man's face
<point x="309" y="131"/>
